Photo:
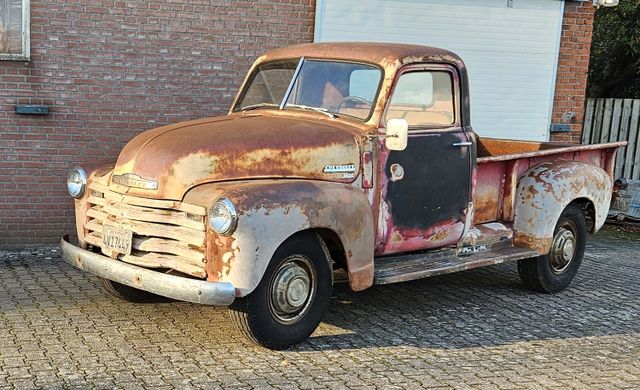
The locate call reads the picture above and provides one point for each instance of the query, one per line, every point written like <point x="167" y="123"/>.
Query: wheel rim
<point x="563" y="249"/>
<point x="292" y="289"/>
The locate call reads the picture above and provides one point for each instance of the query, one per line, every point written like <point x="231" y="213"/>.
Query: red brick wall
<point x="110" y="70"/>
<point x="573" y="66"/>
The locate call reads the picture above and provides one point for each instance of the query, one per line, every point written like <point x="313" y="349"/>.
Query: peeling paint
<point x="546" y="190"/>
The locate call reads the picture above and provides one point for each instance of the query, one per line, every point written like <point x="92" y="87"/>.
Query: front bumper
<point x="176" y="287"/>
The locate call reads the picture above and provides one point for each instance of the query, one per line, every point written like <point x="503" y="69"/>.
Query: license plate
<point x="117" y="239"/>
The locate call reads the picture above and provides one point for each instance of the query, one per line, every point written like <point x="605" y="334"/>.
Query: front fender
<point x="545" y="190"/>
<point x="270" y="211"/>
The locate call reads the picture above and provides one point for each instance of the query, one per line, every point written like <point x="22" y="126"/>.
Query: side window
<point x="423" y="98"/>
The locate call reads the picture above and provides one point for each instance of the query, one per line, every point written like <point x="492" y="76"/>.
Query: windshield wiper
<point x="318" y="109"/>
<point x="300" y="106"/>
<point x="259" y="105"/>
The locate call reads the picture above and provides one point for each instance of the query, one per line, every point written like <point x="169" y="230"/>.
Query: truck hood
<point x="164" y="163"/>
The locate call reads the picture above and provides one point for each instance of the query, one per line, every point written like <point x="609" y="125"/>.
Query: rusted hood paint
<point x="239" y="146"/>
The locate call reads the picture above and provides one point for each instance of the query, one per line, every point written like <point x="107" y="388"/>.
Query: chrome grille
<point x="166" y="234"/>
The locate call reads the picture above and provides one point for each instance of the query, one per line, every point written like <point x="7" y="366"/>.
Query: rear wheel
<point x="126" y="293"/>
<point x="555" y="271"/>
<point x="289" y="302"/>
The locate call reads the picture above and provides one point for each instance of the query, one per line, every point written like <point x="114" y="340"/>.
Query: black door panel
<point x="435" y="184"/>
<point x="427" y="192"/>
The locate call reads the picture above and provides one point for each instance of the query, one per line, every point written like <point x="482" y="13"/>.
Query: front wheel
<point x="289" y="302"/>
<point x="555" y="271"/>
<point x="126" y="293"/>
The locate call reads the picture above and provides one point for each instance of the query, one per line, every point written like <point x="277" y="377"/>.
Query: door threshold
<point x="403" y="268"/>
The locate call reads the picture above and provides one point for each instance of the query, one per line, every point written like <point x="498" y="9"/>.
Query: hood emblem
<point x="133" y="180"/>
<point x="340" y="168"/>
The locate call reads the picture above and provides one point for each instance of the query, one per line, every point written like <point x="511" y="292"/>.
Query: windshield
<point x="336" y="88"/>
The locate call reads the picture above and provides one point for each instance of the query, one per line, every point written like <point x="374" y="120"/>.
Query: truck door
<point x="426" y="187"/>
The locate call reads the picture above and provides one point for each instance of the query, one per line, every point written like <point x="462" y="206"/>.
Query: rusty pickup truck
<point x="354" y="159"/>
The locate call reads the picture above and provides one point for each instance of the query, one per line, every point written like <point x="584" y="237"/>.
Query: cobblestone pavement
<point x="480" y="329"/>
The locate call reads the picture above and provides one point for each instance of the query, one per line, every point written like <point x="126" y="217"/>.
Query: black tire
<point x="554" y="272"/>
<point x="126" y="293"/>
<point x="260" y="316"/>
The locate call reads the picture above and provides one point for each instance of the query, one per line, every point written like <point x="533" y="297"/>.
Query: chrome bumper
<point x="176" y="287"/>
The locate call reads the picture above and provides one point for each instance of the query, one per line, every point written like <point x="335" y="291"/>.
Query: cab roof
<point x="384" y="54"/>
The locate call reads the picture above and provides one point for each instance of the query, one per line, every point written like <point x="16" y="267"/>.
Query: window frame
<point x="251" y="77"/>
<point x="25" y="55"/>
<point x="425" y="67"/>
<point x="255" y="69"/>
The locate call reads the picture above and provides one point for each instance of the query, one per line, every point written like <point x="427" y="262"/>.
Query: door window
<point x="423" y="98"/>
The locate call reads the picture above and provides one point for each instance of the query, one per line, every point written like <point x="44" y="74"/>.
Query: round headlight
<point x="76" y="182"/>
<point x="223" y="217"/>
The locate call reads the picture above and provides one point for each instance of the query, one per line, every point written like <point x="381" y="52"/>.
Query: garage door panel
<point x="510" y="51"/>
<point x="486" y="19"/>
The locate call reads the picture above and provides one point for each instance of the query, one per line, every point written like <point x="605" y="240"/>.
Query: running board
<point x="417" y="266"/>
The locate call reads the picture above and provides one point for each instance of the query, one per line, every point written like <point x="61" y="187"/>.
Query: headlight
<point x="76" y="182"/>
<point x="223" y="217"/>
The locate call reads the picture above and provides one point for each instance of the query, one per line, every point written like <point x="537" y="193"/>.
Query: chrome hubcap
<point x="562" y="250"/>
<point x="292" y="289"/>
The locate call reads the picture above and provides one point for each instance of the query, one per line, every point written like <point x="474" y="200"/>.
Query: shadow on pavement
<point x="481" y="308"/>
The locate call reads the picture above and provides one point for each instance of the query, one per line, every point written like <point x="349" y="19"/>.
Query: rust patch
<point x="440" y="235"/>
<point x="410" y="239"/>
<point x="542" y="245"/>
<point x="504" y="150"/>
<point x="485" y="208"/>
<point x="242" y="147"/>
<point x="362" y="278"/>
<point x="221" y="254"/>
<point x="487" y="197"/>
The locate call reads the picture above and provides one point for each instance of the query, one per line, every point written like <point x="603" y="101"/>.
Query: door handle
<point x="467" y="143"/>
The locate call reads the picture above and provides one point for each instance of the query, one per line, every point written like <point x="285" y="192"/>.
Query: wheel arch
<point x="589" y="210"/>
<point x="547" y="189"/>
<point x="333" y="245"/>
<point x="328" y="239"/>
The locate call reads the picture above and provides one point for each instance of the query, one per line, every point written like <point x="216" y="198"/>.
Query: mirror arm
<point x="382" y="136"/>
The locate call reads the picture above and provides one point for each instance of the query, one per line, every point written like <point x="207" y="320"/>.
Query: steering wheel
<point x="447" y="114"/>
<point x="356" y="99"/>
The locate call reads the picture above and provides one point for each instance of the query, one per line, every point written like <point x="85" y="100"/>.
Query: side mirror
<point x="397" y="134"/>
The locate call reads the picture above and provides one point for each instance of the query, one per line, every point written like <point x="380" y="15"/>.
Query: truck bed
<point x="501" y="162"/>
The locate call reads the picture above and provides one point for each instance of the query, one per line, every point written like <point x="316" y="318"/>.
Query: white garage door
<point x="510" y="48"/>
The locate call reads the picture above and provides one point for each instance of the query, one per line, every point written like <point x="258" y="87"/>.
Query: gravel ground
<point x="474" y="329"/>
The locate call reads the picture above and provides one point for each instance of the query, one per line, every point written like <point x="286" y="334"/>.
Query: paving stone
<point x="475" y="329"/>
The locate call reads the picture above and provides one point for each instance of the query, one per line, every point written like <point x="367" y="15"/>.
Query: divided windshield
<point x="336" y="88"/>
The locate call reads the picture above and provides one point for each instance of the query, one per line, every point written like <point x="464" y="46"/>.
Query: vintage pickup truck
<point x="357" y="158"/>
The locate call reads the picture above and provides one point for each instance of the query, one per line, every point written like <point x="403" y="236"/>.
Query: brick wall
<point x="110" y="70"/>
<point x="573" y="67"/>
